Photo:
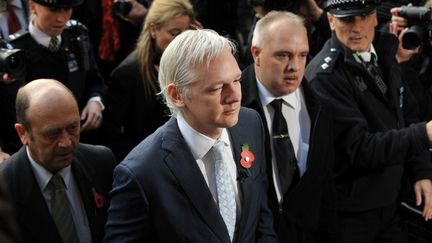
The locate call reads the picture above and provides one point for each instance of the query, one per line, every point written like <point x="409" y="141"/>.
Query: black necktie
<point x="376" y="72"/>
<point x="283" y="150"/>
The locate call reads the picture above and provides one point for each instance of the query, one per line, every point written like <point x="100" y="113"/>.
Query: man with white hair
<point x="201" y="176"/>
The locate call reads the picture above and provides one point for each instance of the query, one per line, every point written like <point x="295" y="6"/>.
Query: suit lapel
<point x="312" y="103"/>
<point x="83" y="178"/>
<point x="32" y="210"/>
<point x="251" y="99"/>
<point x="182" y="164"/>
<point x="246" y="189"/>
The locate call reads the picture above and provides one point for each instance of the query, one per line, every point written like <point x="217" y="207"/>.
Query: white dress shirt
<point x="40" y="36"/>
<point x="295" y="113"/>
<point x="79" y="216"/>
<point x="200" y="146"/>
<point x="366" y="55"/>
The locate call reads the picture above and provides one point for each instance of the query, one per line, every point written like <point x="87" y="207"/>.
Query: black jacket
<point x="92" y="169"/>
<point x="73" y="65"/>
<point x="130" y="115"/>
<point x="373" y="141"/>
<point x="308" y="213"/>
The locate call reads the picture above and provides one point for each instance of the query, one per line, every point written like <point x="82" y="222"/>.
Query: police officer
<point x="358" y="73"/>
<point x="59" y="48"/>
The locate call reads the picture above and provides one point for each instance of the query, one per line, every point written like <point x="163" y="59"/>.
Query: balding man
<point x="301" y="193"/>
<point x="58" y="185"/>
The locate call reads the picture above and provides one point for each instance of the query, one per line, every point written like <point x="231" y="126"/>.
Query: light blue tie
<point x="225" y="189"/>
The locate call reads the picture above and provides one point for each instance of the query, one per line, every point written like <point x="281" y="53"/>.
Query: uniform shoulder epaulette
<point x="73" y="24"/>
<point x="18" y="35"/>
<point x="327" y="63"/>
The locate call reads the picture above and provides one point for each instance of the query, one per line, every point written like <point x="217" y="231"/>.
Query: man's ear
<point x="330" y="20"/>
<point x="255" y="54"/>
<point x="32" y="7"/>
<point x="174" y="95"/>
<point x="21" y="133"/>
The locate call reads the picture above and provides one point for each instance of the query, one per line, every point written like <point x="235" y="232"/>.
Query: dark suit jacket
<point x="308" y="213"/>
<point x="92" y="168"/>
<point x="160" y="195"/>
<point x="8" y="226"/>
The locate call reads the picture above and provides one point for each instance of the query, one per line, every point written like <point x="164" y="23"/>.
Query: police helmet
<point x="59" y="3"/>
<point x="346" y="8"/>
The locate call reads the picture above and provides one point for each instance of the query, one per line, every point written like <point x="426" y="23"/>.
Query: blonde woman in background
<point x="134" y="110"/>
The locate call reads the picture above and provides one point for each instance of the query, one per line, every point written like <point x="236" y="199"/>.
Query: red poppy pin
<point x="247" y="157"/>
<point x="99" y="199"/>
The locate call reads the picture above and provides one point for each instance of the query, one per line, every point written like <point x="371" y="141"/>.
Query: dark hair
<point x="21" y="106"/>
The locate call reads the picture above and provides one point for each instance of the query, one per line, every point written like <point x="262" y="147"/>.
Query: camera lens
<point x="13" y="63"/>
<point x="413" y="37"/>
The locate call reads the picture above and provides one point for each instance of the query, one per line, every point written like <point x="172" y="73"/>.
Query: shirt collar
<point x="198" y="143"/>
<point x="40" y="36"/>
<point x="43" y="176"/>
<point x="365" y="55"/>
<point x="266" y="97"/>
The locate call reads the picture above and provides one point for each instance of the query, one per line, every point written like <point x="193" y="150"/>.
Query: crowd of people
<point x="215" y="121"/>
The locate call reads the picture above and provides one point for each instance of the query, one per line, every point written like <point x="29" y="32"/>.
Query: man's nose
<point x="65" y="140"/>
<point x="233" y="93"/>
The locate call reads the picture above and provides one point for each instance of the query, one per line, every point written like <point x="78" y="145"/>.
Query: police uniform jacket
<point x="73" y="64"/>
<point x="374" y="144"/>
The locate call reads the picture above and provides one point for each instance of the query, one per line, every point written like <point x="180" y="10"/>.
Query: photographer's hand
<point x="92" y="115"/>
<point x="402" y="54"/>
<point x="137" y="14"/>
<point x="3" y="156"/>
<point x="6" y="79"/>
<point x="398" y="27"/>
<point x="311" y="8"/>
<point x="399" y="23"/>
<point x="423" y="193"/>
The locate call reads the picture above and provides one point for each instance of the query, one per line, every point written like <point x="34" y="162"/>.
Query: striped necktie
<point x="61" y="211"/>
<point x="54" y="44"/>
<point x="376" y="71"/>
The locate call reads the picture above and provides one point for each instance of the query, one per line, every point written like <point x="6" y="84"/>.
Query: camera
<point x="420" y="26"/>
<point x="12" y="61"/>
<point x="121" y="8"/>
